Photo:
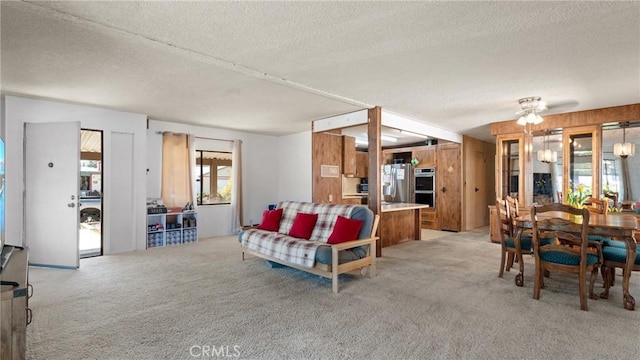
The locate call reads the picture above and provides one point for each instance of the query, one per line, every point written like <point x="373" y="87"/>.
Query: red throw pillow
<point x="345" y="230"/>
<point x="271" y="220"/>
<point x="303" y="225"/>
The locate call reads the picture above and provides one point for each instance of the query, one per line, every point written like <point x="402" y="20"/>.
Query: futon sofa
<point x="341" y="239"/>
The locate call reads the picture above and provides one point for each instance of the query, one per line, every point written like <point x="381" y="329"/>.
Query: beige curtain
<point x="176" y="172"/>
<point x="236" y="190"/>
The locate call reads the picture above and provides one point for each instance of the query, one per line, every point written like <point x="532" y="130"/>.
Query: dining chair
<point x="601" y="206"/>
<point x="570" y="254"/>
<point x="597" y="206"/>
<point x="613" y="195"/>
<point x="526" y="238"/>
<point x="511" y="246"/>
<point x="614" y="255"/>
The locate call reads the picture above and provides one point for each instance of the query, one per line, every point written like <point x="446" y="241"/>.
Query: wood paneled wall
<point x="574" y="122"/>
<point x="327" y="150"/>
<point x="573" y="119"/>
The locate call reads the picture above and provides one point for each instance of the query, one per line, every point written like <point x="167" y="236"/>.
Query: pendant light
<point x="547" y="155"/>
<point x="624" y="149"/>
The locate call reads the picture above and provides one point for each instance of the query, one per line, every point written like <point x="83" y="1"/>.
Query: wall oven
<point x="424" y="186"/>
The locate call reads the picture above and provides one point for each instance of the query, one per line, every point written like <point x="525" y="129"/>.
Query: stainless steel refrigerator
<point x="397" y="184"/>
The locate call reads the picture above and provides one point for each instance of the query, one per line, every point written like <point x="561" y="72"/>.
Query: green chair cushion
<point x="604" y="240"/>
<point x="559" y="257"/>
<point x="617" y="243"/>
<point x="617" y="254"/>
<point x="525" y="243"/>
<point x="547" y="241"/>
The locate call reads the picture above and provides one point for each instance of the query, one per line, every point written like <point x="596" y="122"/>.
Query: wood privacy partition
<point x="587" y="122"/>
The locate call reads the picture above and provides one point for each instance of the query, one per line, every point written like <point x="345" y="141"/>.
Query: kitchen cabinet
<point x="362" y="164"/>
<point x="448" y="186"/>
<point x="352" y="200"/>
<point x="426" y="156"/>
<point x="327" y="150"/>
<point x="15" y="313"/>
<point x="429" y="219"/>
<point x="348" y="155"/>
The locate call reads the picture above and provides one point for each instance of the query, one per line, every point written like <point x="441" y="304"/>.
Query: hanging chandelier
<point x="531" y="107"/>
<point x="547" y="155"/>
<point x="624" y="149"/>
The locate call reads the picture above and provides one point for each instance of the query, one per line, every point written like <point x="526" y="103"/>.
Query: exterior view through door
<point x="90" y="204"/>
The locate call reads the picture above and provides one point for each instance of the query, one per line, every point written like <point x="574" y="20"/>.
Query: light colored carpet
<point x="436" y="299"/>
<point x="428" y="234"/>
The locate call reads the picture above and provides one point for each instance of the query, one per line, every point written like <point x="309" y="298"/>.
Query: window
<point x="610" y="176"/>
<point x="213" y="177"/>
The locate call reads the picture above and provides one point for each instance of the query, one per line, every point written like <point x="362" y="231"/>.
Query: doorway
<point x="90" y="204"/>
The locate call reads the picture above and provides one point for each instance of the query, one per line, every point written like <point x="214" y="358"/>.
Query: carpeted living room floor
<point x="434" y="299"/>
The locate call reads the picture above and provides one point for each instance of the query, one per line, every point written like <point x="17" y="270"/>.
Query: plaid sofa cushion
<point x="327" y="217"/>
<point x="280" y="246"/>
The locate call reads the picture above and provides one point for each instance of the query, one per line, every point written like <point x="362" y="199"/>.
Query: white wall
<point x="295" y="154"/>
<point x="2" y="122"/>
<point x="259" y="172"/>
<point x="18" y="111"/>
<point x="274" y="168"/>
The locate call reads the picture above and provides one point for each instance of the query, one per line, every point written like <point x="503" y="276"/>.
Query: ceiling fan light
<point x="537" y="120"/>
<point x="522" y="121"/>
<point x="531" y="106"/>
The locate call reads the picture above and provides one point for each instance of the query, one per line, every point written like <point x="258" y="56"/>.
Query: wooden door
<point x="52" y="186"/>
<point x="448" y="181"/>
<point x="476" y="208"/>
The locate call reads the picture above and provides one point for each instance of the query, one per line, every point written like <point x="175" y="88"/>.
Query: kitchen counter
<point x="354" y="195"/>
<point x="399" y="222"/>
<point x="401" y="207"/>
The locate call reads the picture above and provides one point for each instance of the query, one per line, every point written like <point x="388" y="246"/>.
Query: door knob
<point x="477" y="189"/>
<point x="444" y="189"/>
<point x="71" y="205"/>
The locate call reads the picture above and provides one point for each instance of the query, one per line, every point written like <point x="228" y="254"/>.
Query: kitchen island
<point x="399" y="222"/>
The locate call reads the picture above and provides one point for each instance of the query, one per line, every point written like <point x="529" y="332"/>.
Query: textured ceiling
<point x="273" y="67"/>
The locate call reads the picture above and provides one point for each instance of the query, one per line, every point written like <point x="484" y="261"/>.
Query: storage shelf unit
<point x="171" y="228"/>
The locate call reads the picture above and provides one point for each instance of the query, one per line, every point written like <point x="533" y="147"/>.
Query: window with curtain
<point x="214" y="177"/>
<point x="176" y="170"/>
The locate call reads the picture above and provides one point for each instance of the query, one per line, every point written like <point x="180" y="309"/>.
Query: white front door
<point x="52" y="175"/>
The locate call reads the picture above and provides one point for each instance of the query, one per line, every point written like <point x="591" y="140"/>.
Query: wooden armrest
<point x="598" y="246"/>
<point x="354" y="243"/>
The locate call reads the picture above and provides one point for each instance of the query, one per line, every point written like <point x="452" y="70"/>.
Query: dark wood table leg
<point x="628" y="301"/>
<point x="520" y="276"/>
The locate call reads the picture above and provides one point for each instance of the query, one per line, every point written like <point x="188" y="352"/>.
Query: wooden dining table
<point x="621" y="226"/>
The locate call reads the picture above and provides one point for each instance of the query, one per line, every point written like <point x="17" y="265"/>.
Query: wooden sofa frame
<point x="332" y="272"/>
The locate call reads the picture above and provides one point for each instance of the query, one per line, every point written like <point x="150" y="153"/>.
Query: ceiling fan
<point x="533" y="105"/>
